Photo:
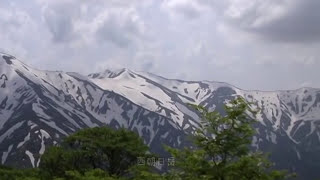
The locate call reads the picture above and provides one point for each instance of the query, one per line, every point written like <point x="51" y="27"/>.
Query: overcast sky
<point x="252" y="44"/>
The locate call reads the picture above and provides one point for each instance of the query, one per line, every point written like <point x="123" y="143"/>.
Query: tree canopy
<point x="113" y="151"/>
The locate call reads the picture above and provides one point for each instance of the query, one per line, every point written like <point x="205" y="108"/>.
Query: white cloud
<point x="122" y="28"/>
<point x="256" y="13"/>
<point x="15" y="23"/>
<point x="187" y="8"/>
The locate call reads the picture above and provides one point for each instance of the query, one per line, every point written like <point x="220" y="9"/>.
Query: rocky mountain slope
<point x="38" y="108"/>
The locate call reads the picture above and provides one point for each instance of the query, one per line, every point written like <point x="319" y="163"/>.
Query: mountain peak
<point x="110" y="73"/>
<point x="7" y="58"/>
<point x="10" y="62"/>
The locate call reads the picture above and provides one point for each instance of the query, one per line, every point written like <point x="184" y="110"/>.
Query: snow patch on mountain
<point x="30" y="155"/>
<point x="10" y="131"/>
<point x="5" y="154"/>
<point x="27" y="138"/>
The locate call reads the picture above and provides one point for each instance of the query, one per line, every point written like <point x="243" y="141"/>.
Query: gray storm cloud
<point x="279" y="20"/>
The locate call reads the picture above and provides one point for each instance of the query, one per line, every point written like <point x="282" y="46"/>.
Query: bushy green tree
<point x="113" y="151"/>
<point x="222" y="148"/>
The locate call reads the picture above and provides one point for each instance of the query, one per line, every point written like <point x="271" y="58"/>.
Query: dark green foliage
<point x="113" y="151"/>
<point x="7" y="173"/>
<point x="96" y="174"/>
<point x="56" y="161"/>
<point x="145" y="173"/>
<point x="221" y="149"/>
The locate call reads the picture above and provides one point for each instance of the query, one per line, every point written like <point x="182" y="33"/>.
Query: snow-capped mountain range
<point x="38" y="108"/>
